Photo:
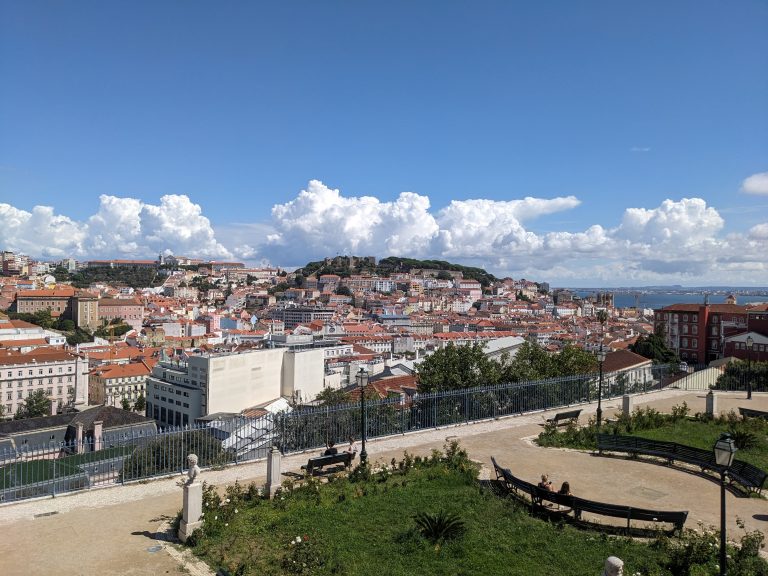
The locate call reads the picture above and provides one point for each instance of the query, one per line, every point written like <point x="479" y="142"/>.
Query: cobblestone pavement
<point x="115" y="530"/>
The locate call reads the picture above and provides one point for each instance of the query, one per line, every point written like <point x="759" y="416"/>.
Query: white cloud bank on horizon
<point x="677" y="241"/>
<point x="756" y="184"/>
<point x="122" y="228"/>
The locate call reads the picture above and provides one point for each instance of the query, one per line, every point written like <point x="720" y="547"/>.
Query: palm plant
<point x="439" y="527"/>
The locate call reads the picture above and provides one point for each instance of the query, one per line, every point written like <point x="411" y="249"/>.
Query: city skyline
<point x="597" y="144"/>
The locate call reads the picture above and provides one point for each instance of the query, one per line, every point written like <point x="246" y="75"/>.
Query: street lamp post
<point x="750" y="344"/>
<point x="600" y="360"/>
<point x="724" y="449"/>
<point x="362" y="380"/>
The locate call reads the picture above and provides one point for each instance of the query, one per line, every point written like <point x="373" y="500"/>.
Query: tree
<point x="65" y="325"/>
<point x="80" y="335"/>
<point x="444" y="275"/>
<point x="572" y="360"/>
<point x="531" y="362"/>
<point x="455" y="367"/>
<point x="333" y="396"/>
<point x="655" y="348"/>
<point x="35" y="405"/>
<point x="125" y="404"/>
<point x="343" y="291"/>
<point x="140" y="405"/>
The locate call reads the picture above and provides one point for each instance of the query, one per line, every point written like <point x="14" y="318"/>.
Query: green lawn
<point x="33" y="471"/>
<point x="365" y="527"/>
<point x="703" y="434"/>
<point x="700" y="431"/>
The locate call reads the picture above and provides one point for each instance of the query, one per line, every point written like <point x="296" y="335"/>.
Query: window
<point x="714" y="330"/>
<point x="685" y="342"/>
<point x="59" y="390"/>
<point x="685" y="328"/>
<point x="9" y="396"/>
<point x="713" y="345"/>
<point x="49" y="391"/>
<point x="20" y="394"/>
<point x="685" y="317"/>
<point x="694" y="343"/>
<point x="695" y="318"/>
<point x="695" y="329"/>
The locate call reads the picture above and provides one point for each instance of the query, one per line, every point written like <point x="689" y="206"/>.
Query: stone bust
<point x="194" y="469"/>
<point x="613" y="567"/>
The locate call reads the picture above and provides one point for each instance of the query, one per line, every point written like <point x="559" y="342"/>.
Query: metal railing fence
<point x="27" y="472"/>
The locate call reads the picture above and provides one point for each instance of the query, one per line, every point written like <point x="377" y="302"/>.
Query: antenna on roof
<point x="706" y="298"/>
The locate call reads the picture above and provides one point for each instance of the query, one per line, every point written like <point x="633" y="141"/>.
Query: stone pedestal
<point x="626" y="404"/>
<point x="274" y="479"/>
<point x="711" y="404"/>
<point x="193" y="510"/>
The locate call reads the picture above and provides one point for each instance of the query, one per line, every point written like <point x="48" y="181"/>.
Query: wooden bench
<point x="578" y="505"/>
<point x="567" y="416"/>
<point x="677" y="519"/>
<point x="752" y="413"/>
<point x="748" y="475"/>
<point x="319" y="461"/>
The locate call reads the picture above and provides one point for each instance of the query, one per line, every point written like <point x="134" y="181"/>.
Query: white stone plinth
<point x="193" y="510"/>
<point x="711" y="404"/>
<point x="274" y="478"/>
<point x="626" y="404"/>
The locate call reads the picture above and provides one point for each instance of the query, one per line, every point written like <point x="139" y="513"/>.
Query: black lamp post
<point x="750" y="345"/>
<point x="362" y="380"/>
<point x="600" y="360"/>
<point x="724" y="450"/>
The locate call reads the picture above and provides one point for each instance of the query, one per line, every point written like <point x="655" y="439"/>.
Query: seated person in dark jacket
<point x="331" y="450"/>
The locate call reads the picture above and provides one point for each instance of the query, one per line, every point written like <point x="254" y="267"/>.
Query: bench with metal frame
<point x="578" y="505"/>
<point x="752" y="413"/>
<point x="567" y="416"/>
<point x="748" y="475"/>
<point x="318" y="462"/>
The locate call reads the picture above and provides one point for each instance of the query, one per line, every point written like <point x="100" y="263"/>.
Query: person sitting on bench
<point x="331" y="450"/>
<point x="545" y="483"/>
<point x="565" y="489"/>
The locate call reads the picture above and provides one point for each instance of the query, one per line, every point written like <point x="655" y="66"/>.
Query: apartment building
<point x="63" y="377"/>
<point x="697" y="331"/>
<point x="63" y="301"/>
<point x="181" y="390"/>
<point x="292" y="316"/>
<point x="130" y="310"/>
<point x="110" y="384"/>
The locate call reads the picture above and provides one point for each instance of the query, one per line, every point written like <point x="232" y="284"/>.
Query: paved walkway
<point x="111" y="531"/>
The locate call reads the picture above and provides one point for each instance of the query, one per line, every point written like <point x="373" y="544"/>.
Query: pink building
<point x="129" y="309"/>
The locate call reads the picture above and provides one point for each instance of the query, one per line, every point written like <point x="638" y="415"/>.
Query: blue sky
<point x="283" y="132"/>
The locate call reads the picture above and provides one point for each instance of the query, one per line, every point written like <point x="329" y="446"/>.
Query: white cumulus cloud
<point x="756" y="184"/>
<point x="121" y="228"/>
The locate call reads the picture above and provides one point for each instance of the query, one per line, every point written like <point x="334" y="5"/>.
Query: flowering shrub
<point x="303" y="556"/>
<point x="697" y="553"/>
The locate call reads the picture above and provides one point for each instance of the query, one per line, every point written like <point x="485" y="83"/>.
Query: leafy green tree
<point x="140" y="405"/>
<point x="125" y="404"/>
<point x="65" y="325"/>
<point x="444" y="275"/>
<point x="80" y="335"/>
<point x="343" y="291"/>
<point x="168" y="453"/>
<point x="531" y="362"/>
<point x="455" y="367"/>
<point x="333" y="396"/>
<point x="655" y="348"/>
<point x="281" y="287"/>
<point x="572" y="360"/>
<point x="36" y="404"/>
